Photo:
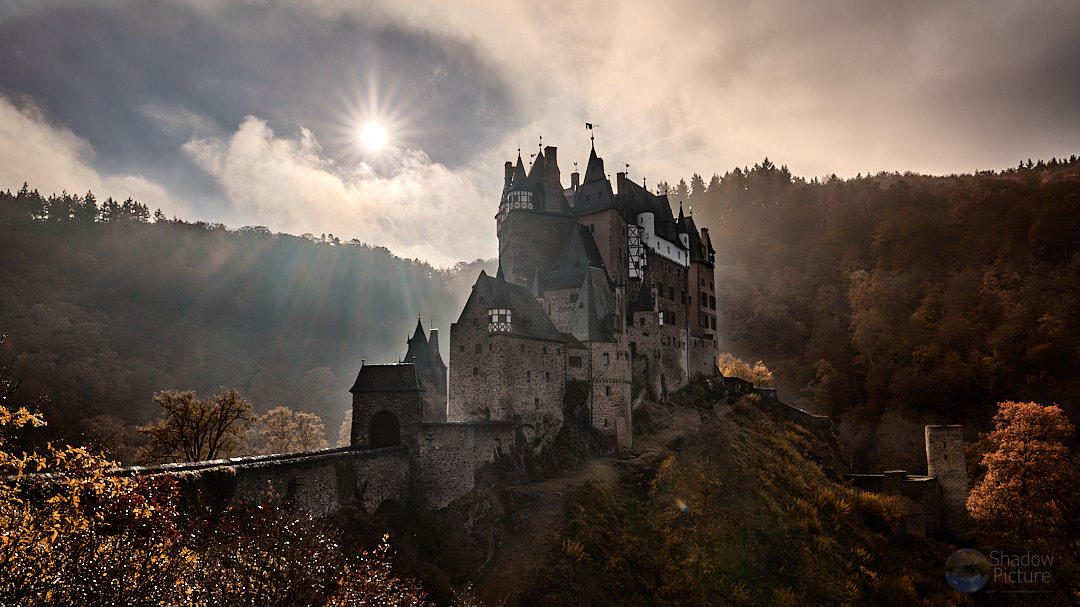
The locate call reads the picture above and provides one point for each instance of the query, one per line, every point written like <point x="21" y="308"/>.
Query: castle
<point x="596" y="285"/>
<point x="601" y="293"/>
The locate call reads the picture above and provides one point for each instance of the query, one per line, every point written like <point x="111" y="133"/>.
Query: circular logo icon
<point x="967" y="570"/>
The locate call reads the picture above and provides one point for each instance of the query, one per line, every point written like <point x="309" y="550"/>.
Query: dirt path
<point x="522" y="551"/>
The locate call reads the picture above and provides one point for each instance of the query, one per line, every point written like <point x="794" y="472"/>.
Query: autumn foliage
<point x="1028" y="499"/>
<point x="74" y="532"/>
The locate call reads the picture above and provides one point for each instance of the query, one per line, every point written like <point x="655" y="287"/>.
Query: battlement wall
<point x="319" y="481"/>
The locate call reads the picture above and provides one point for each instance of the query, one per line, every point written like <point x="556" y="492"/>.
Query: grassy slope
<point x="767" y="522"/>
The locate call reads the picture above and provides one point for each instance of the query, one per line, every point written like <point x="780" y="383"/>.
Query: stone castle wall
<point x="448" y="455"/>
<point x="610" y="399"/>
<point x="946" y="461"/>
<point x="525" y="243"/>
<point x="318" y="481"/>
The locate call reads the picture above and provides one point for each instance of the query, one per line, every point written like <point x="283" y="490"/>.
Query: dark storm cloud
<point x="248" y="110"/>
<point x="109" y="71"/>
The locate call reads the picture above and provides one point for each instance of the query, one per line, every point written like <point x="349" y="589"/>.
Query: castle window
<point x="712" y="302"/>
<point x="536" y="401"/>
<point x="475" y="371"/>
<point x="489" y="347"/>
<point x="704" y="299"/>
<point x="714" y="323"/>
<point x="607" y="359"/>
<point x="672" y="315"/>
<point x="461" y="348"/>
<point x="575" y="361"/>
<point x="703" y="282"/>
<point x="573" y="297"/>
<point x="528" y="374"/>
<point x="592" y="228"/>
<point x="520" y="199"/>
<point x="660" y="317"/>
<point x="671" y="293"/>
<point x="522" y="347"/>
<point x="479" y="348"/>
<point x="499" y="320"/>
<point x="544" y="350"/>
<point x="607" y="390"/>
<point x="547" y="375"/>
<point x="642" y="323"/>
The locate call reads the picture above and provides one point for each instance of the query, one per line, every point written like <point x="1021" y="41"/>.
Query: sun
<point x="373" y="136"/>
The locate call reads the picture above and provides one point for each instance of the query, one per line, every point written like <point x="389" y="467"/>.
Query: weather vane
<point x="592" y="137"/>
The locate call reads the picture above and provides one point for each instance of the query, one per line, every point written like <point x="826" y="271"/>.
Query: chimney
<point x="508" y="174"/>
<point x="550" y="155"/>
<point x="553" y="192"/>
<point x="575" y="179"/>
<point x="620" y="186"/>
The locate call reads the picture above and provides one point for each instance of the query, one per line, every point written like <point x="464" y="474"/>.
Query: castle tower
<point x="946" y="462"/>
<point x="500" y="313"/>
<point x="533" y="214"/>
<point x="387" y="406"/>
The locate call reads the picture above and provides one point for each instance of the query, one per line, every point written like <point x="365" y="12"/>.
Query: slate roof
<point x="528" y="318"/>
<point x="578" y="253"/>
<point x="520" y="181"/>
<point x="421" y="354"/>
<point x="594" y="311"/>
<point x="594" y="194"/>
<point x="499" y="297"/>
<point x="395" y="377"/>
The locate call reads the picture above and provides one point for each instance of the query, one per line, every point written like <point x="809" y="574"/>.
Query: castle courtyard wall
<point x="447" y="457"/>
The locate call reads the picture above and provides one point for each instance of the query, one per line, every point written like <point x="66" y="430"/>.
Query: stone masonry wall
<point x="448" y="455"/>
<point x="945" y="460"/>
<point x="610" y="395"/>
<point x="526" y="243"/>
<point x="406" y="406"/>
<point x="503" y="377"/>
<point x="609" y="232"/>
<point x="319" y="481"/>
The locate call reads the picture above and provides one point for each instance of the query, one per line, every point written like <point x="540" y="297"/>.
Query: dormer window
<point x="499" y="320"/>
<point x="520" y="199"/>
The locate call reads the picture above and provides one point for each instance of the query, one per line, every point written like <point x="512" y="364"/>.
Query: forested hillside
<point x="887" y="301"/>
<point x="104" y="306"/>
<point x="890" y="301"/>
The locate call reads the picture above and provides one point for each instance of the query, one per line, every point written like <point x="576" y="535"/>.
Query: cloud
<point x="840" y="86"/>
<point x="52" y="159"/>
<point x="421" y="210"/>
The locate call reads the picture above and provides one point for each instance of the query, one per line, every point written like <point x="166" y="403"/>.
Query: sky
<point x="249" y="112"/>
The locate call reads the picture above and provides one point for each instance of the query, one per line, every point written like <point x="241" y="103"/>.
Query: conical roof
<point x="499" y="298"/>
<point x="578" y="253"/>
<point x="594" y="311"/>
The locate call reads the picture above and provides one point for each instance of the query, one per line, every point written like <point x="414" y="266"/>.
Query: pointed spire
<point x="519" y="178"/>
<point x="536" y="172"/>
<point x="418" y="334"/>
<point x="499" y="298"/>
<point x="594" y="171"/>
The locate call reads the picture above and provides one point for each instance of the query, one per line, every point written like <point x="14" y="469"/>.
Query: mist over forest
<point x="886" y="301"/>
<point x="104" y="305"/>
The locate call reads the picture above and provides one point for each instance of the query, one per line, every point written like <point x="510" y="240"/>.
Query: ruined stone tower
<point x="945" y="461"/>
